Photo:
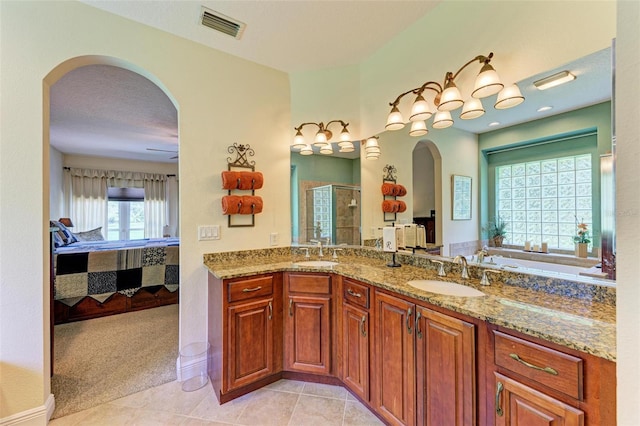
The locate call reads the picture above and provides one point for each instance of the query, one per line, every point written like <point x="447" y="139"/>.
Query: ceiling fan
<point x="164" y="150"/>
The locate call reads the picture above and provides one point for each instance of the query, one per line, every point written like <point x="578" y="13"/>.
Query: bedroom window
<point x="125" y="213"/>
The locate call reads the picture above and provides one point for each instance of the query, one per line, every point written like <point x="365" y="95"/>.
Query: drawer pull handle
<point x="353" y="293"/>
<point x="249" y="290"/>
<point x="362" y="329"/>
<point x="417" y="326"/>
<point x="290" y="307"/>
<point x="270" y="311"/>
<point x="535" y="367"/>
<point x="499" y="388"/>
<point x="409" y="311"/>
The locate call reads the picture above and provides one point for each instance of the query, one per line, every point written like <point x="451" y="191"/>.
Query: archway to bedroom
<point x="111" y="135"/>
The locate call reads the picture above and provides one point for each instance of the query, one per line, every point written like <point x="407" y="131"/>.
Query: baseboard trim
<point x="190" y="369"/>
<point x="34" y="417"/>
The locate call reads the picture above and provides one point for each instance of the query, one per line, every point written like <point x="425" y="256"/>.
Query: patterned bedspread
<point x="100" y="268"/>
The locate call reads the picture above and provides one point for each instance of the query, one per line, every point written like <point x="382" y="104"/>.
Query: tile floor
<point x="285" y="402"/>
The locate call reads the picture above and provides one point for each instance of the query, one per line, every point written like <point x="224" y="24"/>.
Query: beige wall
<point x="210" y="91"/>
<point x="628" y="210"/>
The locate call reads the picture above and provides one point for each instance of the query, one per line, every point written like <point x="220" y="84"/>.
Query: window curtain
<point x="172" y="220"/>
<point x="85" y="198"/>
<point x="154" y="206"/>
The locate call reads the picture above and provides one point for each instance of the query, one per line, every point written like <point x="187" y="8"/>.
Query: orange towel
<point x="230" y="180"/>
<point x="388" y="206"/>
<point x="231" y="204"/>
<point x="250" y="180"/>
<point x="387" y="189"/>
<point x="251" y="204"/>
<point x="401" y="206"/>
<point x="401" y="191"/>
<point x="257" y="180"/>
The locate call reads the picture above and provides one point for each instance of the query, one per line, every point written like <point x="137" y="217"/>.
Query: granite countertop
<point x="576" y="315"/>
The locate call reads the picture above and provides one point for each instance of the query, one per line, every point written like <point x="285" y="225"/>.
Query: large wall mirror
<point x="325" y="198"/>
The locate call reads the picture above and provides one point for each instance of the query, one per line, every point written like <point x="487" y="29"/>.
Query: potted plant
<point x="497" y="230"/>
<point x="581" y="239"/>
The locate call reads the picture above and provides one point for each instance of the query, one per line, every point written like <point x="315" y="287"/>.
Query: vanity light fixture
<point x="322" y="138"/>
<point x="554" y="80"/>
<point x="448" y="98"/>
<point x="544" y="108"/>
<point x="371" y="148"/>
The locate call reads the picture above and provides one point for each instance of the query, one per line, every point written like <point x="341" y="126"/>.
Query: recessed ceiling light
<point x="494" y="123"/>
<point x="554" y="80"/>
<point x="544" y="108"/>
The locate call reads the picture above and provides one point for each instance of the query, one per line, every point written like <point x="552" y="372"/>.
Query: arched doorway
<point x="56" y="75"/>
<point x="427" y="185"/>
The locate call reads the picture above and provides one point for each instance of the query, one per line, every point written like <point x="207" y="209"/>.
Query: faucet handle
<point x="306" y="254"/>
<point x="441" y="272"/>
<point x="485" y="278"/>
<point x="335" y="254"/>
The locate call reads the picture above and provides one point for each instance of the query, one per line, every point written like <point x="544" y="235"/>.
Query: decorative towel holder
<point x="389" y="178"/>
<point x="241" y="164"/>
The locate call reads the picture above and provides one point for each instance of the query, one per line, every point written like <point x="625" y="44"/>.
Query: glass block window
<point x="540" y="200"/>
<point x="322" y="212"/>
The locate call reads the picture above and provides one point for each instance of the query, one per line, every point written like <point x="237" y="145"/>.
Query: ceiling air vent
<point x="219" y="22"/>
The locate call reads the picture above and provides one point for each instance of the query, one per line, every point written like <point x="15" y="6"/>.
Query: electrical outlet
<point x="273" y="238"/>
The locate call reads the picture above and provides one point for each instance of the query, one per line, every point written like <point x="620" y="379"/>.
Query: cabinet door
<point x="355" y="350"/>
<point x="250" y="345"/>
<point x="445" y="357"/>
<point x="394" y="391"/>
<point x="517" y="404"/>
<point x="308" y="334"/>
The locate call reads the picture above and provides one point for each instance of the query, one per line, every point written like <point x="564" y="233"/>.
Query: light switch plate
<point x="273" y="239"/>
<point x="208" y="232"/>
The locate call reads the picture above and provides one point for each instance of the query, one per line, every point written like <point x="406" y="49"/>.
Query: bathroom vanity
<point x="511" y="356"/>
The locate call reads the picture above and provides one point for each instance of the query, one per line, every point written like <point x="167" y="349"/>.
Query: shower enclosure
<point x="332" y="214"/>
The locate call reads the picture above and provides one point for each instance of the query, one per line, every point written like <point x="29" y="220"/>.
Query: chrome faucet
<point x="463" y="261"/>
<point x="480" y="255"/>
<point x="441" y="272"/>
<point x="320" y="254"/>
<point x="335" y="252"/>
<point x="485" y="279"/>
<point x="306" y="252"/>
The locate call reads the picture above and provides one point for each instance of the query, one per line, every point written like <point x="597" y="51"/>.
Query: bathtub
<point x="535" y="267"/>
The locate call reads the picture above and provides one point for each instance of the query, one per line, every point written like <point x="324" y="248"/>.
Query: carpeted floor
<point x="103" y="359"/>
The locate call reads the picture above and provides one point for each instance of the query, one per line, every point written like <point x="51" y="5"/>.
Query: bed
<point x="99" y="278"/>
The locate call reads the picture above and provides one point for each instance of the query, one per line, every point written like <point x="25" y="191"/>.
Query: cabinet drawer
<point x="250" y="288"/>
<point x="355" y="293"/>
<point x="309" y="283"/>
<point x="549" y="367"/>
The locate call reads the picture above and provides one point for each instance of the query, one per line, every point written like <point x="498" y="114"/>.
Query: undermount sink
<point x="446" y="288"/>
<point x="316" y="263"/>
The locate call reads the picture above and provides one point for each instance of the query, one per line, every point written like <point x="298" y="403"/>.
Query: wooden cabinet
<point x="245" y="323"/>
<point x="425" y="365"/>
<point x="540" y="383"/>
<point x="393" y="393"/>
<point x="446" y="369"/>
<point x="355" y="337"/>
<point x="517" y="404"/>
<point x="308" y="323"/>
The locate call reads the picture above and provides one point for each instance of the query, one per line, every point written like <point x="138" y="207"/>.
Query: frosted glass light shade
<point x="472" y="109"/>
<point x="373" y="149"/>
<point x="487" y="83"/>
<point x="347" y="148"/>
<point x="298" y="141"/>
<point x="394" y="120"/>
<point x="372" y="142"/>
<point x="372" y="155"/>
<point x="420" y="110"/>
<point x="450" y="98"/>
<point x="326" y="149"/>
<point x="509" y="97"/>
<point x="418" y="128"/>
<point x="307" y="150"/>
<point x="320" y="139"/>
<point x="344" y="135"/>
<point x="442" y="120"/>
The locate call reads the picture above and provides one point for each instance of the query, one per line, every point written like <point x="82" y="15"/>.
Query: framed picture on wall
<point x="460" y="197"/>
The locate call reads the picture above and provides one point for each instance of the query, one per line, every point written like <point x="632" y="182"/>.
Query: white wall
<point x="56" y="196"/>
<point x="628" y="210"/>
<point x="424" y="191"/>
<point x="210" y="90"/>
